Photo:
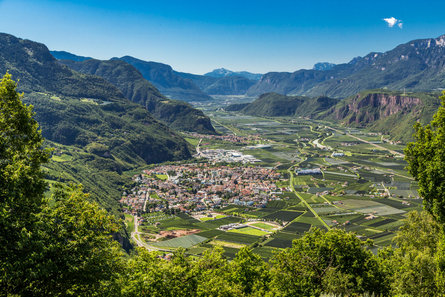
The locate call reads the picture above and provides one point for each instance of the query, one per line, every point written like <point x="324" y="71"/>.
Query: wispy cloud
<point x="392" y="21"/>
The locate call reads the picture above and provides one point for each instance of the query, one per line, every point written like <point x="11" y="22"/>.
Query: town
<point x="198" y="187"/>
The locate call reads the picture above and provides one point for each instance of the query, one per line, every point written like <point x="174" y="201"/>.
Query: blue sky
<point x="198" y="36"/>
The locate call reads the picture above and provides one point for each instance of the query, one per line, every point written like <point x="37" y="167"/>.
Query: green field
<point x="249" y="231"/>
<point x="264" y="226"/>
<point x="162" y="176"/>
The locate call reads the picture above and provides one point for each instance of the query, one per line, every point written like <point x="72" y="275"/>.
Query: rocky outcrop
<point x="372" y="107"/>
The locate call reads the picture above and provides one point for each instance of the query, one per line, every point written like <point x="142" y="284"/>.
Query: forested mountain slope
<point x="177" y="114"/>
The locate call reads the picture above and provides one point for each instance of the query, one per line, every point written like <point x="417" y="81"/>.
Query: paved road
<point x="136" y="238"/>
<point x="291" y="181"/>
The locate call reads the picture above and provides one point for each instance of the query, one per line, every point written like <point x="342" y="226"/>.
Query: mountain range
<point x="222" y="72"/>
<point x="417" y="65"/>
<point x="179" y="85"/>
<point x="177" y="114"/>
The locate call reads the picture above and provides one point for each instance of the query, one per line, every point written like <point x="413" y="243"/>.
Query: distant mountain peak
<point x="223" y="72"/>
<point x="323" y="66"/>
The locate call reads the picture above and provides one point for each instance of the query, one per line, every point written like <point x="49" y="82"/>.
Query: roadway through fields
<point x="135" y="235"/>
<point x="368" y="142"/>
<point x="291" y="182"/>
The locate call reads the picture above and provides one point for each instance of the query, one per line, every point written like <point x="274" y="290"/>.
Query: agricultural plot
<point x="367" y="206"/>
<point x="281" y="240"/>
<point x="266" y="252"/>
<point x="283" y="215"/>
<point x="210" y="233"/>
<point x="184" y="241"/>
<point x="238" y="238"/>
<point x="214" y="224"/>
<point x="264" y="226"/>
<point x="297" y="227"/>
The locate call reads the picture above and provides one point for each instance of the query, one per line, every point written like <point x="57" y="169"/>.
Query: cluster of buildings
<point x="312" y="171"/>
<point x="198" y="187"/>
<point x="229" y="156"/>
<point x="229" y="138"/>
<point x="231" y="226"/>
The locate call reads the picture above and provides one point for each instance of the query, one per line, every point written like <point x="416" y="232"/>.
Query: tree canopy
<point x="426" y="159"/>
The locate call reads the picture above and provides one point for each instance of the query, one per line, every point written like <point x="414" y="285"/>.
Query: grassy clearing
<point x="162" y="176"/>
<point x="203" y="219"/>
<point x="62" y="158"/>
<point x="129" y="222"/>
<point x="192" y="141"/>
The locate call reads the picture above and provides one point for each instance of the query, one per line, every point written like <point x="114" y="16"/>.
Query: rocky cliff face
<point x="391" y="112"/>
<point x="374" y="106"/>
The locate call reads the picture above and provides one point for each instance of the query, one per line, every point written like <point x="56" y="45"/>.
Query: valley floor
<point x="323" y="176"/>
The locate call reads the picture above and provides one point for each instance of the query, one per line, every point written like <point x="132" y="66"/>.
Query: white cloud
<point x="392" y="21"/>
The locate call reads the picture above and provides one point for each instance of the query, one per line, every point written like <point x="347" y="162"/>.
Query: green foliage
<point x="413" y="266"/>
<point x="21" y="180"/>
<point x="76" y="255"/>
<point x="426" y="157"/>
<point x="250" y="272"/>
<point x="58" y="247"/>
<point x="332" y="262"/>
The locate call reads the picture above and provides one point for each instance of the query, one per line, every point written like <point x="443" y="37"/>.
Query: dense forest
<point x="62" y="245"/>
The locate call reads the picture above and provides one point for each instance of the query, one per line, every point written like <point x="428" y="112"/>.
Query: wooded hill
<point x="177" y="114"/>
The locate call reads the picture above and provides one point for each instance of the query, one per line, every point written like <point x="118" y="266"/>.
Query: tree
<point x="148" y="275"/>
<point x="21" y="182"/>
<point x="250" y="272"/>
<point x="426" y="159"/>
<point x="335" y="262"/>
<point x="412" y="265"/>
<point x="214" y="275"/>
<point x="75" y="254"/>
<point x="48" y="247"/>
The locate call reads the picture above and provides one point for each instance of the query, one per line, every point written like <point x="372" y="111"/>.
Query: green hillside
<point x="177" y="114"/>
<point x="273" y="104"/>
